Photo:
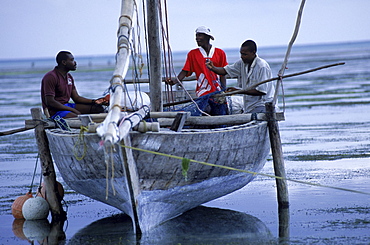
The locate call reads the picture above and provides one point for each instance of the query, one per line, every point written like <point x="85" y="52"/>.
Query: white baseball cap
<point x="204" y="30"/>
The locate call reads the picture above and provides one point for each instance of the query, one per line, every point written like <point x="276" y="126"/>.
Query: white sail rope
<point x="170" y="70"/>
<point x="137" y="61"/>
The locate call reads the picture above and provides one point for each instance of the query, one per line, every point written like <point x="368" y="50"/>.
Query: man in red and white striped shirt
<point x="207" y="81"/>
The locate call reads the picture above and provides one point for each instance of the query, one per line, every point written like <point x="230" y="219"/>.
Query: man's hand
<point x="171" y="81"/>
<point x="209" y="64"/>
<point x="103" y="100"/>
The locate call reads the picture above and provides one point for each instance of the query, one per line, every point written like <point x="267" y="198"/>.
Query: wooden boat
<point x="163" y="192"/>
<point x="119" y="167"/>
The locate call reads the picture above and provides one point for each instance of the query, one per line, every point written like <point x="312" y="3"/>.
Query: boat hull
<point x="164" y="192"/>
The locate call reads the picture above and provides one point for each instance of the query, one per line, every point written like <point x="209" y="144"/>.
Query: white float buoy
<point x="35" y="208"/>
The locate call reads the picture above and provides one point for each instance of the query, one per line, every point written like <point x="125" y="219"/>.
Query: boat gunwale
<point x="166" y="131"/>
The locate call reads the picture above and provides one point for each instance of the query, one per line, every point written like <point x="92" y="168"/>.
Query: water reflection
<point x="202" y="225"/>
<point x="39" y="230"/>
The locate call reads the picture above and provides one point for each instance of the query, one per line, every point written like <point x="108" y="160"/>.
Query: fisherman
<point x="207" y="81"/>
<point x="249" y="69"/>
<point x="58" y="87"/>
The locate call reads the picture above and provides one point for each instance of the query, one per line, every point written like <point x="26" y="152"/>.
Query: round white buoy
<point x="35" y="208"/>
<point x="36" y="230"/>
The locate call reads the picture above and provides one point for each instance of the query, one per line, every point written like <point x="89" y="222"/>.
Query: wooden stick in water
<point x="48" y="171"/>
<point x="276" y="148"/>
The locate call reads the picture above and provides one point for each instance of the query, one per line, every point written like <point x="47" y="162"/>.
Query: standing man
<point x="58" y="87"/>
<point x="207" y="81"/>
<point x="250" y="70"/>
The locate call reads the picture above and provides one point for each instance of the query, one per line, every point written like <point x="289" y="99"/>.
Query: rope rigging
<point x="185" y="164"/>
<point x="287" y="55"/>
<point x="168" y="68"/>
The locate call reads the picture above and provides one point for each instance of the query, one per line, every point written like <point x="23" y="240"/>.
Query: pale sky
<point x="41" y="28"/>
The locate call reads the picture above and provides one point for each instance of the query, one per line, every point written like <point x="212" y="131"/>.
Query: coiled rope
<point x="80" y="142"/>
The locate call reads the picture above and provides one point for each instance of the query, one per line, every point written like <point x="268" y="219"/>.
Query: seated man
<point x="250" y="70"/>
<point x="58" y="87"/>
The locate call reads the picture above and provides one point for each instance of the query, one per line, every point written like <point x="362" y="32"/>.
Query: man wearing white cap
<point x="207" y="81"/>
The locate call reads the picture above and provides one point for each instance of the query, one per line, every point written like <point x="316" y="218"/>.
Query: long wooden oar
<point x="29" y="124"/>
<point x="13" y="131"/>
<point x="241" y="91"/>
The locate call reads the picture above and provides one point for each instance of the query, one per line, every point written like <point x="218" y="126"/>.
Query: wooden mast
<point x="155" y="64"/>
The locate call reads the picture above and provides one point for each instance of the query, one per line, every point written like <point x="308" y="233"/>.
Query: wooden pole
<point x="242" y="91"/>
<point x="48" y="172"/>
<point x="133" y="185"/>
<point x="155" y="64"/>
<point x="277" y="153"/>
<point x="287" y="54"/>
<point x="57" y="233"/>
<point x="13" y="131"/>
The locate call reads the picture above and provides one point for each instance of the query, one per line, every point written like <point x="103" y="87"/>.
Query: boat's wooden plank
<point x="221" y="120"/>
<point x="131" y="174"/>
<point x="101" y="116"/>
<point x="165" y="119"/>
<point x="85" y="119"/>
<point x="179" y="121"/>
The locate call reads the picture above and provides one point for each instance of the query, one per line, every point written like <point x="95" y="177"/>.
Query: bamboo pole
<point x="48" y="172"/>
<point x="287" y="55"/>
<point x="242" y="91"/>
<point x="120" y="70"/>
<point x="286" y="76"/>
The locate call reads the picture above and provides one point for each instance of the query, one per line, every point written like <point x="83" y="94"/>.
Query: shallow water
<point x="325" y="140"/>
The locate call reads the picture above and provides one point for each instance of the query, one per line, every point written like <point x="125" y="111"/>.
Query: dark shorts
<point x="217" y="109"/>
<point x="62" y="114"/>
